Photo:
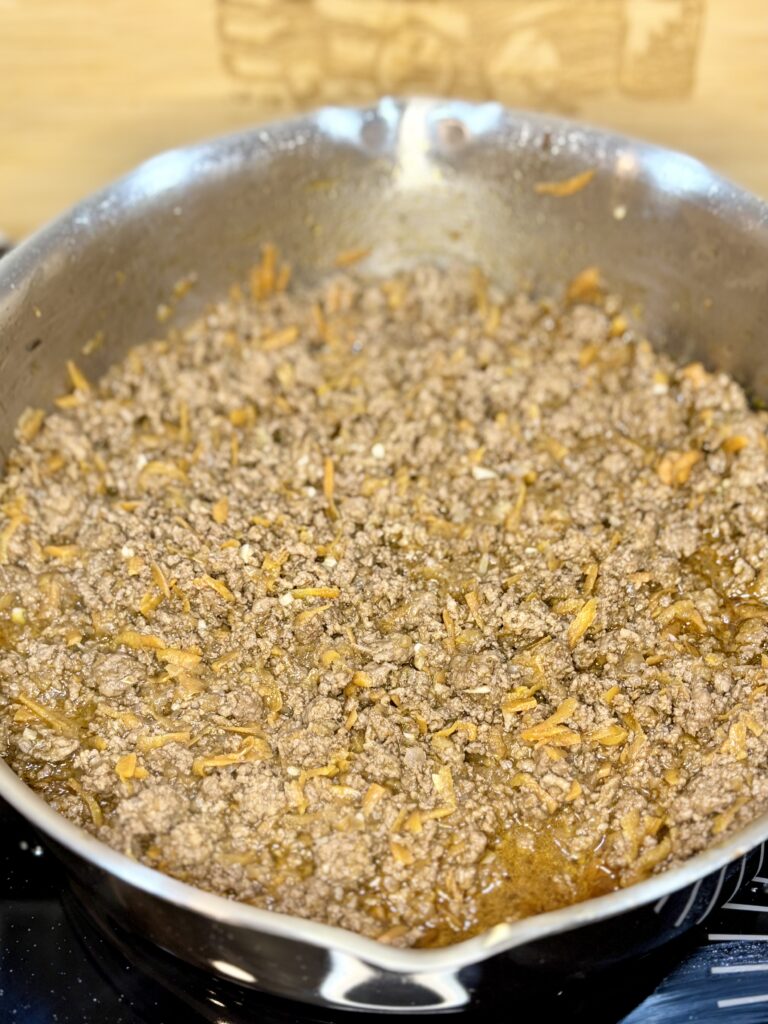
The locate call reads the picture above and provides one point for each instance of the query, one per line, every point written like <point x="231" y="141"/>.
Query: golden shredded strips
<point x="347" y="257"/>
<point x="752" y="724"/>
<point x="181" y="658"/>
<point x="553" y="752"/>
<point x="466" y="727"/>
<point x="253" y="749"/>
<point x="653" y="856"/>
<point x="90" y="802"/>
<point x="556" y="449"/>
<point x="588" y="355"/>
<point x="399" y="818"/>
<point x="361" y="679"/>
<point x="675" y="468"/>
<point x="632" y="832"/>
<point x="695" y="374"/>
<point x="263" y="276"/>
<point x="421" y="723"/>
<point x="337" y="764"/>
<point x="328" y="485"/>
<point x="64" y="552"/>
<point x="401" y="853"/>
<point x="684" y="611"/>
<point x="30" y="424"/>
<point x="492" y="320"/>
<point x="414" y="823"/>
<point x="724" y="820"/>
<point x="438" y="812"/>
<point x="734" y="444"/>
<point x="126" y="718"/>
<point x="442" y="780"/>
<point x="149" y="604"/>
<point x="373" y="794"/>
<point x="139" y="641"/>
<point x="305" y="593"/>
<point x="566" y="186"/>
<point x="609" y="735"/>
<point x="185" y="434"/>
<point x="160" y="580"/>
<point x="51" y="718"/>
<point x="280" y="339"/>
<point x="736" y="743"/>
<point x="590" y="578"/>
<point x="77" y="378"/>
<point x="526" y="781"/>
<point x="283" y="277"/>
<point x="551" y="728"/>
<point x="473" y="603"/>
<point x="201" y="582"/>
<point x="126" y="767"/>
<point x="619" y="326"/>
<point x="310" y="613"/>
<point x="161" y="468"/>
<point x="24" y="715"/>
<point x="586" y="286"/>
<point x="582" y="621"/>
<point x="220" y="511"/>
<point x="134" y="565"/>
<point x="145" y="744"/>
<point x="224" y="660"/>
<point x="72" y="401"/>
<point x="244" y="417"/>
<point x="573" y="792"/>
<point x="519" y="700"/>
<point x="512" y="521"/>
<point x="746" y="610"/>
<point x="450" y="627"/>
<point x="6" y="536"/>
<point x="15" y="506"/>
<point x="480" y="288"/>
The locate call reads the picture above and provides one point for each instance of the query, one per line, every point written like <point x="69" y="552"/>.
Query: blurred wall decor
<point x="90" y="87"/>
<point x="543" y="52"/>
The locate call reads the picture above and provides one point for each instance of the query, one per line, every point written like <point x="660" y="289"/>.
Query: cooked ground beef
<point x="405" y="606"/>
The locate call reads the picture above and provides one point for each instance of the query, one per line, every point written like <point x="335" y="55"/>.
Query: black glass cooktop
<point x="57" y="968"/>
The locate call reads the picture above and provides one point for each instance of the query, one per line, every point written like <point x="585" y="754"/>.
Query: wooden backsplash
<point x="90" y="87"/>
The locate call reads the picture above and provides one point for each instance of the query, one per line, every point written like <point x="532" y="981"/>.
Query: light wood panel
<point x="90" y="87"/>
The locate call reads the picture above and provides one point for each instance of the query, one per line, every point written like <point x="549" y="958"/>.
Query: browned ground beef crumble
<point x="404" y="606"/>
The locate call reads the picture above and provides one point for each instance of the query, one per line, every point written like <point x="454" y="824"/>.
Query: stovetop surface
<point x="57" y="968"/>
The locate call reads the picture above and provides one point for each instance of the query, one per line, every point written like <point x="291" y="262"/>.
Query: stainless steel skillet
<point x="412" y="180"/>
